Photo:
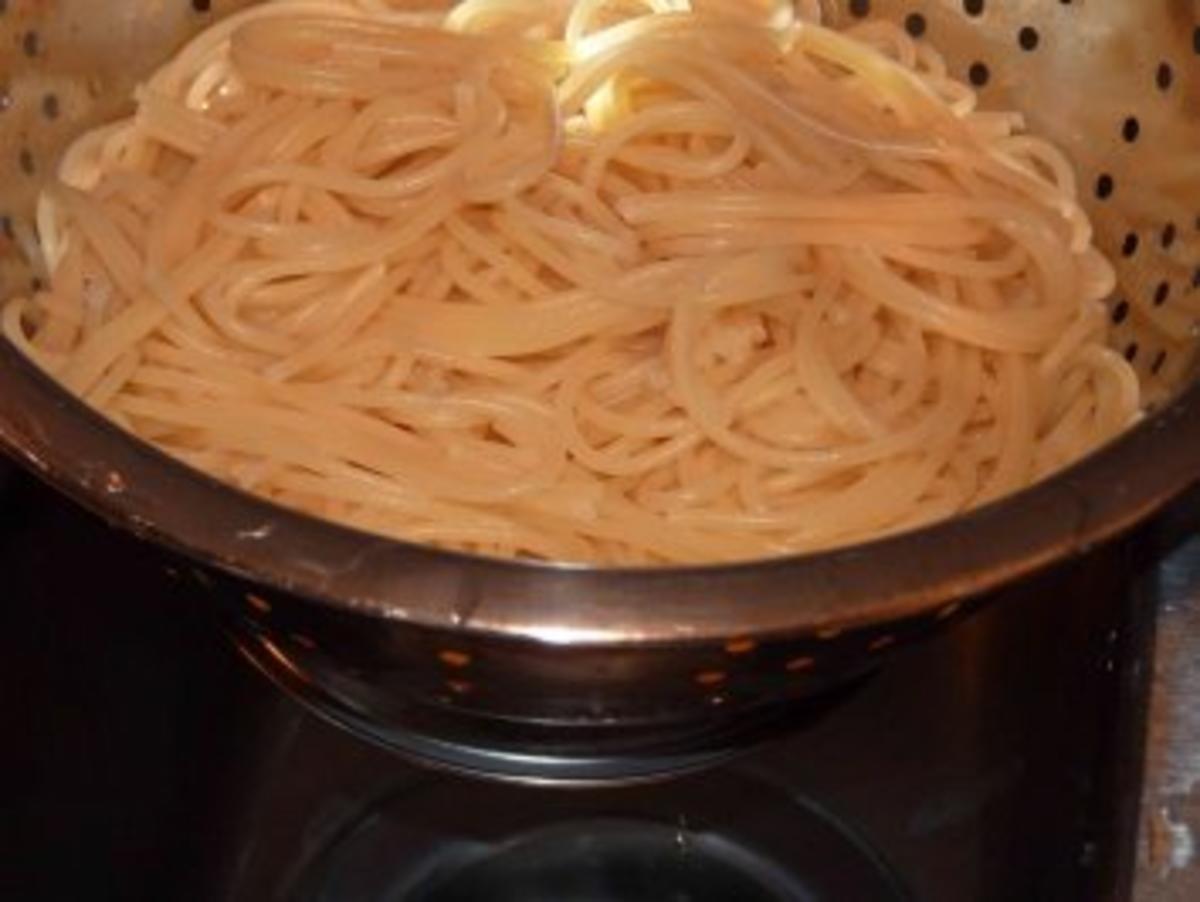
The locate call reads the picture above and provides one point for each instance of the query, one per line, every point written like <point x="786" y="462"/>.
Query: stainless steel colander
<point x="534" y="671"/>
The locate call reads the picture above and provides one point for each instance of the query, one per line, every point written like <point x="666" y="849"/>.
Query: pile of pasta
<point x="617" y="282"/>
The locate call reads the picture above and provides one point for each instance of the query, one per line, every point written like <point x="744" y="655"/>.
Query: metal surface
<point x="521" y="657"/>
<point x="1169" y="866"/>
<point x="741" y="838"/>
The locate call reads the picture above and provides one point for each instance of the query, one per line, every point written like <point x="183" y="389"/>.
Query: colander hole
<point x="31" y="44"/>
<point x="1162" y="293"/>
<point x="6" y="227"/>
<point x="1131" y="351"/>
<point x="202" y="6"/>
<point x="1028" y="38"/>
<point x="1130" y="245"/>
<point x="860" y="8"/>
<point x="25" y="161"/>
<point x="1159" y="359"/>
<point x="1131" y="129"/>
<point x="1120" y="311"/>
<point x="1105" y="185"/>
<point x="973" y="7"/>
<point x="1168" y="236"/>
<point x="1164" y="77"/>
<point x="51" y="106"/>
<point x="979" y="74"/>
<point x="1196" y="40"/>
<point x="915" y="24"/>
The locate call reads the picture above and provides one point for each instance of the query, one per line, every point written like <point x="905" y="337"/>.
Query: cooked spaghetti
<point x="621" y="282"/>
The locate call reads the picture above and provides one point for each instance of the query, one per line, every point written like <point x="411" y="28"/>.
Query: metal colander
<point x="537" y="672"/>
<point x="1115" y="83"/>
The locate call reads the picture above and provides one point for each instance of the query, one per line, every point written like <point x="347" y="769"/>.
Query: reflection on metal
<point x="879" y="643"/>
<point x="740" y="646"/>
<point x="280" y="658"/>
<point x="1170" y="826"/>
<point x="948" y="611"/>
<point x="457" y="659"/>
<point x="259" y="603"/>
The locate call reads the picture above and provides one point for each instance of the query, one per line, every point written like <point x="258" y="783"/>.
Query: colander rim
<point x="137" y="487"/>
